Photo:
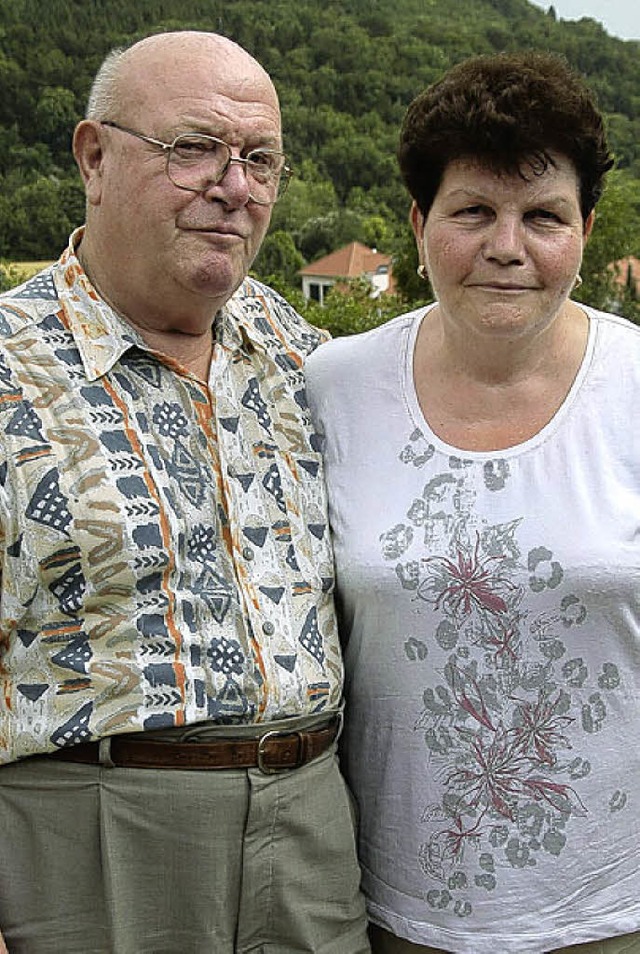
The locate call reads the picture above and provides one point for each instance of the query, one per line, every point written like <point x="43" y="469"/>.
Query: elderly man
<point x="171" y="675"/>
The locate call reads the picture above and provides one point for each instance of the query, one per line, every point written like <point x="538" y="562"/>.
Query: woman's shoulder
<point x="614" y="364"/>
<point x="614" y="325"/>
<point x="616" y="340"/>
<point x="348" y="349"/>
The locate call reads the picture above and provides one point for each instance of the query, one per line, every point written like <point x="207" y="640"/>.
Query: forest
<point x="345" y="71"/>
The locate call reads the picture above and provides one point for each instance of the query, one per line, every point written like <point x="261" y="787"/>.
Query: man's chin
<point x="217" y="277"/>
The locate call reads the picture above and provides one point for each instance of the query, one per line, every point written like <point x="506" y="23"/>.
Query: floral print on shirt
<point x="502" y="720"/>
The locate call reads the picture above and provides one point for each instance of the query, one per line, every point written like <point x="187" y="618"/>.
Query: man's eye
<point x="265" y="161"/>
<point x="192" y="148"/>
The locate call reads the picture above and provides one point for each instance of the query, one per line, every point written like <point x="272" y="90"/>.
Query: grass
<point x="25" y="270"/>
<point x="14" y="273"/>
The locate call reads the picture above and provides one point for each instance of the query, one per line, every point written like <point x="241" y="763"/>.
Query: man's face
<point x="158" y="243"/>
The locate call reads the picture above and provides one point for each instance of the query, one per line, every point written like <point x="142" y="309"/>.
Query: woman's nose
<point x="505" y="241"/>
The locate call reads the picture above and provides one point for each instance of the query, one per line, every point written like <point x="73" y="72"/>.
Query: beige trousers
<point x="100" y="860"/>
<point x="384" y="943"/>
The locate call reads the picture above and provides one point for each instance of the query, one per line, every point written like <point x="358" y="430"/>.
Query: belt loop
<point x="104" y="753"/>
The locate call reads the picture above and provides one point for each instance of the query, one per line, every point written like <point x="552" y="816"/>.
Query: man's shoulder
<point x="27" y="303"/>
<point x="271" y="316"/>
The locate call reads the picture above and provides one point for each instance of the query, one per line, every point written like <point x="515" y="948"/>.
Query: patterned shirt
<point x="166" y="558"/>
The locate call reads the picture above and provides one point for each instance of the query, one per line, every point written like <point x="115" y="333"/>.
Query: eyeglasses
<point x="196" y="161"/>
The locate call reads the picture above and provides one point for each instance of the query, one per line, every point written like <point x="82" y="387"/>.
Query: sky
<point x="620" y="18"/>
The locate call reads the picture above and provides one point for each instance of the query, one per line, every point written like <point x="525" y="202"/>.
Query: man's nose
<point x="232" y="187"/>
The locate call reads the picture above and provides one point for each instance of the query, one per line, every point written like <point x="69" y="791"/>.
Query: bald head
<point x="125" y="70"/>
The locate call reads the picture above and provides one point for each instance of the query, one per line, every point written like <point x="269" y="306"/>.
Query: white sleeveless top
<point x="490" y="608"/>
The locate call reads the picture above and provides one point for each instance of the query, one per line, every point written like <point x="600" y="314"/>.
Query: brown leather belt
<point x="275" y="751"/>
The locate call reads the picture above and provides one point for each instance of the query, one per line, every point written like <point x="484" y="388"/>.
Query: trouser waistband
<point x="276" y="750"/>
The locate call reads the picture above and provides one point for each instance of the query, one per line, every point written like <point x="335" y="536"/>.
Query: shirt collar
<point x="237" y="323"/>
<point x="102" y="336"/>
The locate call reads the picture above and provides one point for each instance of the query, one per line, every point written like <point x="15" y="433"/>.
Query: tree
<point x="55" y="117"/>
<point x="308" y="196"/>
<point x="36" y="218"/>
<point x="349" y="308"/>
<point x="616" y="234"/>
<point x="279" y="258"/>
<point x="325" y="233"/>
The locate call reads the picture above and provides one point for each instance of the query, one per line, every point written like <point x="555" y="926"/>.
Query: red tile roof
<point x="350" y="261"/>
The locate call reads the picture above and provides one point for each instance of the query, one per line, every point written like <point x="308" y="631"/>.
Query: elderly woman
<point x="483" y="462"/>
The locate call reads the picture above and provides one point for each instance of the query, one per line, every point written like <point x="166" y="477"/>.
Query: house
<point x="351" y="261"/>
<point x="627" y="272"/>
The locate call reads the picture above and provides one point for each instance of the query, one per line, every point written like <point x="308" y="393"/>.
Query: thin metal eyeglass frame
<point x="167" y="148"/>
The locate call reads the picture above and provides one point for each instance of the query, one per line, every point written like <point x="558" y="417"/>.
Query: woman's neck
<point x="490" y="397"/>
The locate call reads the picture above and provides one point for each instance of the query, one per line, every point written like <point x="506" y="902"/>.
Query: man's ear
<point x="89" y="155"/>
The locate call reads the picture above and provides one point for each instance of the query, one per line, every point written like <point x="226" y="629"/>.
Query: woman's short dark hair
<point x="508" y="112"/>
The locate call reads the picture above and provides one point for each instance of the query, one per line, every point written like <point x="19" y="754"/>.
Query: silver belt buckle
<point x="276" y="734"/>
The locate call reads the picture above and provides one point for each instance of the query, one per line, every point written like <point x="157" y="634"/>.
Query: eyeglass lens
<point x="195" y="161"/>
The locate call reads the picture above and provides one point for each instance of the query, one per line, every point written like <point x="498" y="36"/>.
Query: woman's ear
<point x="588" y="224"/>
<point x="417" y="220"/>
<point x="89" y="154"/>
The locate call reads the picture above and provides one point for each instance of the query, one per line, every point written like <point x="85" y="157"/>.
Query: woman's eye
<point x="544" y="215"/>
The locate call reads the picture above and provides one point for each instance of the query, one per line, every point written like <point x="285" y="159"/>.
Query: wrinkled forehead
<point x="178" y="78"/>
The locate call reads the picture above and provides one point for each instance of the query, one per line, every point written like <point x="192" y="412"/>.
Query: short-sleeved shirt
<point x="491" y="611"/>
<point x="165" y="552"/>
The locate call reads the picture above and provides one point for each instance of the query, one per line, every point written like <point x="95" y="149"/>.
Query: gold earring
<point x="578" y="281"/>
<point x="422" y="272"/>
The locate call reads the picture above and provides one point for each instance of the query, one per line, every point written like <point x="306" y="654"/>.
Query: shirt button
<point x="247" y="553"/>
<point x="268" y="629"/>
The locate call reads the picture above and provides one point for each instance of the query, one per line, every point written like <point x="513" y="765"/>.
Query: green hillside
<point x="345" y="71"/>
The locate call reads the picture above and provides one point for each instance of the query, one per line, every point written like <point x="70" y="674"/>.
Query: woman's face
<point x="502" y="252"/>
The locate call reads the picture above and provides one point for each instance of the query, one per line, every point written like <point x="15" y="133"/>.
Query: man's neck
<point x="191" y="349"/>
